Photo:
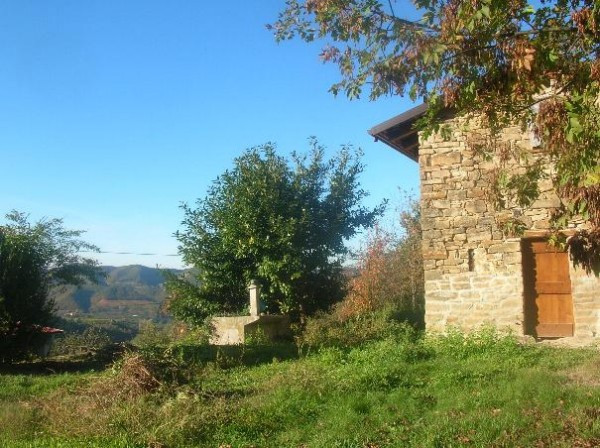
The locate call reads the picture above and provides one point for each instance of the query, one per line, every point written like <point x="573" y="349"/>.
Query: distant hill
<point x="126" y="291"/>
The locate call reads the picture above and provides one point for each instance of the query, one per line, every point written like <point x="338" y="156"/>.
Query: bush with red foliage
<point x="390" y="273"/>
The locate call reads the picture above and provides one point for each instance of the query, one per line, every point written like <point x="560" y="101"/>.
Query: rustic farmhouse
<point x="474" y="272"/>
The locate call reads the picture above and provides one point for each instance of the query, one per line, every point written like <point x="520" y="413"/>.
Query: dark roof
<point x="19" y="327"/>
<point x="399" y="132"/>
<point x="50" y="330"/>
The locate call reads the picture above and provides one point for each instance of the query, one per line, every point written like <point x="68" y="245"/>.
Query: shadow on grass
<point x="224" y="355"/>
<point x="76" y="362"/>
<point x="235" y="355"/>
<point x="50" y="367"/>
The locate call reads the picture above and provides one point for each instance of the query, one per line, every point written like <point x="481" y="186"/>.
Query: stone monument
<point x="233" y="330"/>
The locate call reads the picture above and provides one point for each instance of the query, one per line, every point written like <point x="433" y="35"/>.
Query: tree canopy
<point x="34" y="258"/>
<point x="283" y="223"/>
<point x="501" y="61"/>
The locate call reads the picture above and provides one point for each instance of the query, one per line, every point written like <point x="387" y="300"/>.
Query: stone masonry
<point x="473" y="273"/>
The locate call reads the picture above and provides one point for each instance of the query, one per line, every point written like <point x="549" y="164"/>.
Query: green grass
<point x="481" y="390"/>
<point x="18" y="418"/>
<point x="21" y="386"/>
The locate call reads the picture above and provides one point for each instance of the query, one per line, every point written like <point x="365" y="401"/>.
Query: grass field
<point x="403" y="391"/>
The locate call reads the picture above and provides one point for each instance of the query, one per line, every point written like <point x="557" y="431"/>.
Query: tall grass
<point x="401" y="390"/>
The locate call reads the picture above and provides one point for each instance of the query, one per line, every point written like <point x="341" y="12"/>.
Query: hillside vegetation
<point x="125" y="291"/>
<point x="400" y="389"/>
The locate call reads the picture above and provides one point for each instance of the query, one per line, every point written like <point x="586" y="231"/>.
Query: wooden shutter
<point x="548" y="300"/>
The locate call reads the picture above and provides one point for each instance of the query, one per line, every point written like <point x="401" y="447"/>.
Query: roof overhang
<point x="400" y="133"/>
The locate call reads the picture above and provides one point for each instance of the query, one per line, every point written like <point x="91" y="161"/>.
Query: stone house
<point x="474" y="272"/>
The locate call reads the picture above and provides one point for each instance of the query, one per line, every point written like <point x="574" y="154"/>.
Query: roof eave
<point x="399" y="132"/>
<point x="411" y="152"/>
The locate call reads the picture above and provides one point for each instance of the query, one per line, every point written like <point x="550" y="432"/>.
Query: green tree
<point x="492" y="60"/>
<point x="283" y="224"/>
<point x="33" y="259"/>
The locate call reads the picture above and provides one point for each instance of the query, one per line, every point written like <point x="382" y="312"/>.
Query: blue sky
<point x="112" y="113"/>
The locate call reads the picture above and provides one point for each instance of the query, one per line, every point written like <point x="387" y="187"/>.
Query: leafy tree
<point x="33" y="259"/>
<point x="492" y="60"/>
<point x="283" y="224"/>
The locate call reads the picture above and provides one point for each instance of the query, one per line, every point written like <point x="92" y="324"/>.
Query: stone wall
<point x="586" y="300"/>
<point x="234" y="330"/>
<point x="473" y="273"/>
<point x="229" y="330"/>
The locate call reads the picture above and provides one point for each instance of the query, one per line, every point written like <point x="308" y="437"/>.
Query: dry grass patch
<point x="104" y="405"/>
<point x="585" y="374"/>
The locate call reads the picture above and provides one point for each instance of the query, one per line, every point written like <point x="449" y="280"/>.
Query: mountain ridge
<point x="124" y="291"/>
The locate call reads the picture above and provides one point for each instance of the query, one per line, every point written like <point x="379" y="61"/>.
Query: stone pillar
<point x="254" y="289"/>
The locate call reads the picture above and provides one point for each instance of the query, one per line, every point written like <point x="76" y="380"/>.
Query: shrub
<point x="487" y="341"/>
<point x="119" y="330"/>
<point x="329" y="330"/>
<point x="91" y="341"/>
<point x="152" y="334"/>
<point x="390" y="273"/>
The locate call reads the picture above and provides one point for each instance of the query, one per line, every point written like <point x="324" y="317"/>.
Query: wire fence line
<point x="126" y="253"/>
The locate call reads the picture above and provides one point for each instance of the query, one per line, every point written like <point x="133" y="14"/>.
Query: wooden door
<point x="548" y="302"/>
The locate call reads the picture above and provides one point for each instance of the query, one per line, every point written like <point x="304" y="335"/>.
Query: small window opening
<point x="471" y="255"/>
